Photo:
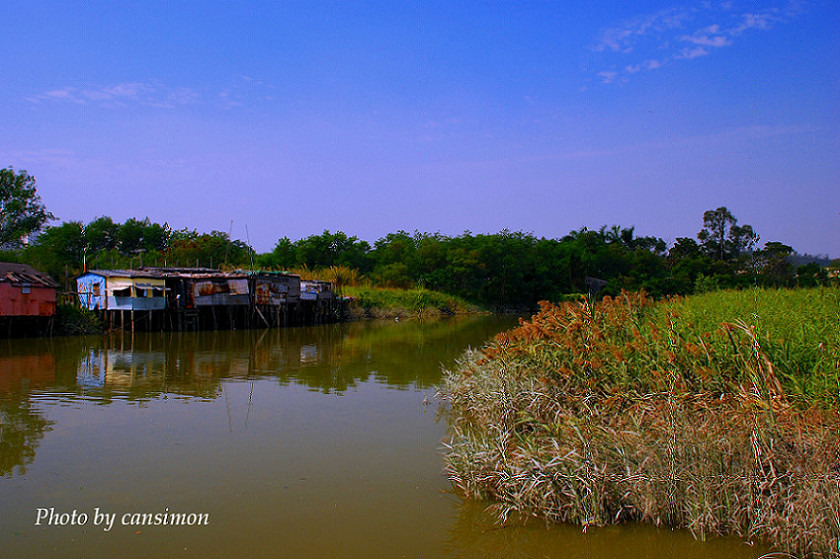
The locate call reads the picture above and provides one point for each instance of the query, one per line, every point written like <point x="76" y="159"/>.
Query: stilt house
<point x="24" y="291"/>
<point x="276" y="296"/>
<point x="121" y="290"/>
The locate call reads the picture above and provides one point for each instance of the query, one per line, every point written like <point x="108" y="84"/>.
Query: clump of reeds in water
<point x="618" y="411"/>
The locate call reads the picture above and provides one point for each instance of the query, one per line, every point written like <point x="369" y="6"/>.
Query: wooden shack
<point x="317" y="301"/>
<point x="27" y="298"/>
<point x="276" y="296"/>
<point x="315" y="290"/>
<point x="201" y="298"/>
<point x="114" y="292"/>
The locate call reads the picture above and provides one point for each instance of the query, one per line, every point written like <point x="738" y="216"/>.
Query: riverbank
<point x="717" y="413"/>
<point x="71" y="320"/>
<point x="384" y="302"/>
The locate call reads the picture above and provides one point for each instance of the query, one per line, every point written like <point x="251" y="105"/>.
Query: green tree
<point x="102" y="234"/>
<point x="774" y="266"/>
<point x="142" y="235"/>
<point x="215" y="249"/>
<point x="811" y="275"/>
<point x="59" y="251"/>
<point x="395" y="260"/>
<point x="333" y="249"/>
<point x="21" y="211"/>
<point x="283" y="257"/>
<point x="722" y="238"/>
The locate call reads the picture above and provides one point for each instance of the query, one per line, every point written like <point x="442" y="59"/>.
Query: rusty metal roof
<point x="180" y="270"/>
<point x="125" y="273"/>
<point x="191" y="273"/>
<point x="23" y="273"/>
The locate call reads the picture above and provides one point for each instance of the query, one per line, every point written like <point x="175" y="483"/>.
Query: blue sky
<point x="289" y="118"/>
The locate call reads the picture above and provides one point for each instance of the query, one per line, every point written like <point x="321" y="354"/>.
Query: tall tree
<point x="21" y="211"/>
<point x="190" y="248"/>
<point x="59" y="251"/>
<point x="722" y="238"/>
<point x="333" y="249"/>
<point x="102" y="234"/>
<point x="142" y="235"/>
<point x="774" y="265"/>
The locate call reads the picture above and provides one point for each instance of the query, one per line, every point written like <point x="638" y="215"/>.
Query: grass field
<point x="384" y="302"/>
<point x="718" y="413"/>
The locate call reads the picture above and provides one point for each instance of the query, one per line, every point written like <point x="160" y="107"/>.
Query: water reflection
<point x="329" y="359"/>
<point x="476" y="535"/>
<point x="21" y="430"/>
<point x="303" y="442"/>
<point x="21" y="426"/>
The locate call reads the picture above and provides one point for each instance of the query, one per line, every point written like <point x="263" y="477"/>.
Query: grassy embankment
<point x="370" y="301"/>
<point x="385" y="302"/>
<point x="71" y="320"/>
<point x="719" y="413"/>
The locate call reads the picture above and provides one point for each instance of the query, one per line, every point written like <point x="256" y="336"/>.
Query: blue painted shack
<point x="121" y="290"/>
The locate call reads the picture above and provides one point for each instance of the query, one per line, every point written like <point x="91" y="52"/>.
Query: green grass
<point x="384" y="302"/>
<point x="76" y="321"/>
<point x="798" y="330"/>
<point x="718" y="413"/>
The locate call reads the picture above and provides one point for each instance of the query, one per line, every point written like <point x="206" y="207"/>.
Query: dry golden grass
<point x="595" y="414"/>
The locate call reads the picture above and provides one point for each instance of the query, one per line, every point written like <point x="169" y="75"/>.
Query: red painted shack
<point x="24" y="291"/>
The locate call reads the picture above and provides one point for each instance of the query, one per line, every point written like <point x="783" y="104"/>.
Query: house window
<point x="25" y="288"/>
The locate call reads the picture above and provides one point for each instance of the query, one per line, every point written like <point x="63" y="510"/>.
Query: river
<point x="292" y="443"/>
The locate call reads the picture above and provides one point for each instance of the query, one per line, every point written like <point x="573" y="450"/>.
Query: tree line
<point x="509" y="269"/>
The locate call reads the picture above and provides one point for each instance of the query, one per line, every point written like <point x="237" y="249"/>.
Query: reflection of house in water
<point x="308" y="354"/>
<point x="121" y="369"/>
<point x="31" y="371"/>
<point x="147" y="366"/>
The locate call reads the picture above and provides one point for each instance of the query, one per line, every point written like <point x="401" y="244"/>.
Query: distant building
<point x="315" y="290"/>
<point x="276" y="296"/>
<point x="24" y="291"/>
<point x="275" y="288"/>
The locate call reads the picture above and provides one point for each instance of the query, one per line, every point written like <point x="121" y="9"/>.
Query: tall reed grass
<point x="389" y="302"/>
<point x="706" y="413"/>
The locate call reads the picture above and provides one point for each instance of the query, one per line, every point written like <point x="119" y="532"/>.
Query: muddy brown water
<point x="301" y="442"/>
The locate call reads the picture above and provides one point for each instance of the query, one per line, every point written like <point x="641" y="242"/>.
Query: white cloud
<point x="647" y="65"/>
<point x="688" y="54"/>
<point x="608" y="76"/>
<point x="754" y="21"/>
<point x="659" y="39"/>
<point x="148" y="93"/>
<point x="710" y="36"/>
<point x="624" y="37"/>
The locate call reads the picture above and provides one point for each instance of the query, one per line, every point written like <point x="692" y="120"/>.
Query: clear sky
<point x="290" y="118"/>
